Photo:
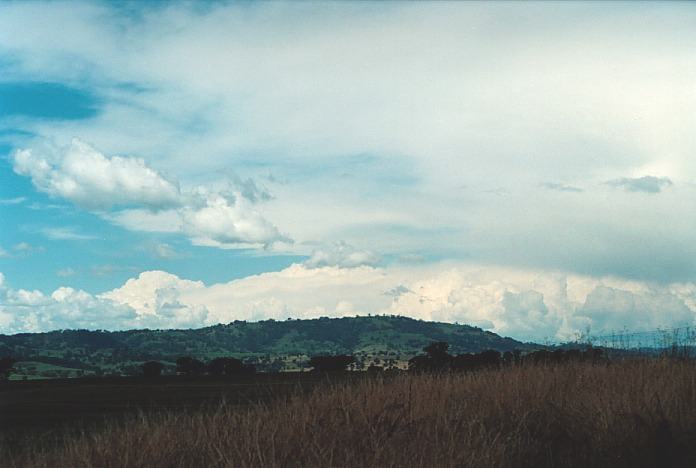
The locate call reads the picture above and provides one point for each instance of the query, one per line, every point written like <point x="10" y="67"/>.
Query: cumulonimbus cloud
<point x="524" y="304"/>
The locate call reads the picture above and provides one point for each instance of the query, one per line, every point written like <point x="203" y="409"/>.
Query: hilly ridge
<point x="271" y="345"/>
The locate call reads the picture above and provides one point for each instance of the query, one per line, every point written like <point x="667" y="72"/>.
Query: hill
<point x="271" y="345"/>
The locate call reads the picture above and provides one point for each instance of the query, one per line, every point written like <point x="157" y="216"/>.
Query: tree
<point x="331" y="363"/>
<point x="189" y="366"/>
<point x="437" y="351"/>
<point x="6" y="367"/>
<point x="152" y="368"/>
<point x="436" y="358"/>
<point x="225" y="366"/>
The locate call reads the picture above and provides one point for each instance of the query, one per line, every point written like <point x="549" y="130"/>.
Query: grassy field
<point x="41" y="409"/>
<point x="629" y="414"/>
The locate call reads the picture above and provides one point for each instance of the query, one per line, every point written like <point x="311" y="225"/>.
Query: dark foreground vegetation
<point x="571" y="412"/>
<point x="39" y="410"/>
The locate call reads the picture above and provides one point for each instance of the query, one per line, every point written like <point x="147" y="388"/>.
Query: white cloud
<point x="524" y="304"/>
<point x="23" y="297"/>
<point x="561" y="187"/>
<point x="224" y="221"/>
<point x="65" y="272"/>
<point x="24" y="249"/>
<point x="165" y="251"/>
<point x="432" y="97"/>
<point x="31" y="311"/>
<point x="154" y="295"/>
<point x="609" y="308"/>
<point x="146" y="220"/>
<point x="647" y="184"/>
<point x="12" y="201"/>
<point x="65" y="233"/>
<point x="86" y="177"/>
<point x="67" y="308"/>
<point x="343" y="255"/>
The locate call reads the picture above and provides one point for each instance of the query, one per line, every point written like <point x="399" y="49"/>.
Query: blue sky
<point x="525" y="167"/>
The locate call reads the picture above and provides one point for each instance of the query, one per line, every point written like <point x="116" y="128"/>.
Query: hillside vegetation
<point x="270" y="345"/>
<point x="635" y="413"/>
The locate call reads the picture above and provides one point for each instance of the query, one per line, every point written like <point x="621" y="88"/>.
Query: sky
<point x="527" y="168"/>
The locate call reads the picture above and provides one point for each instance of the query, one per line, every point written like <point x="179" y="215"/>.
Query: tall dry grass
<point x="632" y="414"/>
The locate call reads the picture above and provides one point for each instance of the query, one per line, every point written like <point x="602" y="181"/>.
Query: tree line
<point x="193" y="367"/>
<point x="436" y="358"/>
<point x="232" y="366"/>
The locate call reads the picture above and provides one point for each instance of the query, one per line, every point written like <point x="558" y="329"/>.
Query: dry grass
<point x="640" y="413"/>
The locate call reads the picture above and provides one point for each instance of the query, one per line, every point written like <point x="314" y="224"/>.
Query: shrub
<point x="229" y="366"/>
<point x="152" y="369"/>
<point x="189" y="366"/>
<point x="6" y="367"/>
<point x="331" y="363"/>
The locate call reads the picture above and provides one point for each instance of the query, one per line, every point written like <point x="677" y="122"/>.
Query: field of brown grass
<point x="629" y="414"/>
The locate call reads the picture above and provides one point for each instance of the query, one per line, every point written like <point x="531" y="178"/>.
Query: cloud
<point x="166" y="221"/>
<point x="47" y="206"/>
<point x="65" y="233"/>
<point x="608" y="308"/>
<point x="108" y="269"/>
<point x="32" y="311"/>
<point x="25" y="248"/>
<point x="13" y="201"/>
<point x="561" y="187"/>
<point x="398" y="291"/>
<point x="21" y="249"/>
<point x="227" y="220"/>
<point x="165" y="251"/>
<point x="86" y="177"/>
<point x="365" y="137"/>
<point x="646" y="184"/>
<point x="296" y="292"/>
<point x="250" y="190"/>
<point x="342" y="255"/>
<point x="66" y="272"/>
<point x="524" y="304"/>
<point x="155" y="297"/>
<point x="67" y="308"/>
<point x="541" y="306"/>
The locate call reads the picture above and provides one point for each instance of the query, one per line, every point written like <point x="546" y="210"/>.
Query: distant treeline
<point x="193" y="367"/>
<point x="232" y="366"/>
<point x="435" y="359"/>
